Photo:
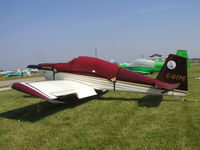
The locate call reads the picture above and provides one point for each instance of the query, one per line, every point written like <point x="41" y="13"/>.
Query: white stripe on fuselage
<point x="105" y="84"/>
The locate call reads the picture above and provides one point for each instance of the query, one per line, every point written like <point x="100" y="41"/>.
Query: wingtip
<point x="20" y="86"/>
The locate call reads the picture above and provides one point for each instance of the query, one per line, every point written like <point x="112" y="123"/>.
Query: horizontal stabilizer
<point x="166" y="86"/>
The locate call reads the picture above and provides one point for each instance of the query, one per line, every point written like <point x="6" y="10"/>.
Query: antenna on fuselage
<point x="95" y="50"/>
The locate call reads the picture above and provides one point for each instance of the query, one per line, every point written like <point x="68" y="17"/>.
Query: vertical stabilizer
<point x="174" y="71"/>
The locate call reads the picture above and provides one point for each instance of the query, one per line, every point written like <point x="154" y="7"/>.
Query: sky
<point x="40" y="31"/>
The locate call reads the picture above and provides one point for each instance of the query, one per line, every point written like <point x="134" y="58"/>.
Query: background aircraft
<point x="143" y="66"/>
<point x="3" y="73"/>
<point x="146" y="66"/>
<point x="18" y="74"/>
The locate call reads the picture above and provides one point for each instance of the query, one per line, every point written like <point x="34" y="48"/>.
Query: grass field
<point x="115" y="120"/>
<point x="4" y="86"/>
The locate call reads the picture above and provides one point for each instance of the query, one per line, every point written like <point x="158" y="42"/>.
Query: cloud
<point x="157" y="8"/>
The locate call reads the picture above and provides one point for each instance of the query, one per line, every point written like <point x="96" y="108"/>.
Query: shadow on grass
<point x="150" y="101"/>
<point x="43" y="109"/>
<point x="40" y="110"/>
<point x="146" y="101"/>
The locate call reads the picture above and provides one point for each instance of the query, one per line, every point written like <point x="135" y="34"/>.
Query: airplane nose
<point x="33" y="66"/>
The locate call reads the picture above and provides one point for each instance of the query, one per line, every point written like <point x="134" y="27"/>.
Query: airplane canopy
<point x="98" y="67"/>
<point x="89" y="65"/>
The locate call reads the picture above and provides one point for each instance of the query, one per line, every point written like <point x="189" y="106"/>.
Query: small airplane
<point x="3" y="73"/>
<point x="147" y="66"/>
<point x="143" y="66"/>
<point x="84" y="76"/>
<point x="18" y="74"/>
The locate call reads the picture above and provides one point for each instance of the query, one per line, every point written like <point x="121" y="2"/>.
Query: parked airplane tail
<point x="183" y="53"/>
<point x="174" y="72"/>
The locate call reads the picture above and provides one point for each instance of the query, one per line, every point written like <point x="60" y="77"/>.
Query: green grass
<point x="115" y="120"/>
<point x="5" y="86"/>
<point x="3" y="78"/>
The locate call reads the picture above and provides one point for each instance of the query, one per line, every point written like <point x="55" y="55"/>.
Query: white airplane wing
<point x="49" y="90"/>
